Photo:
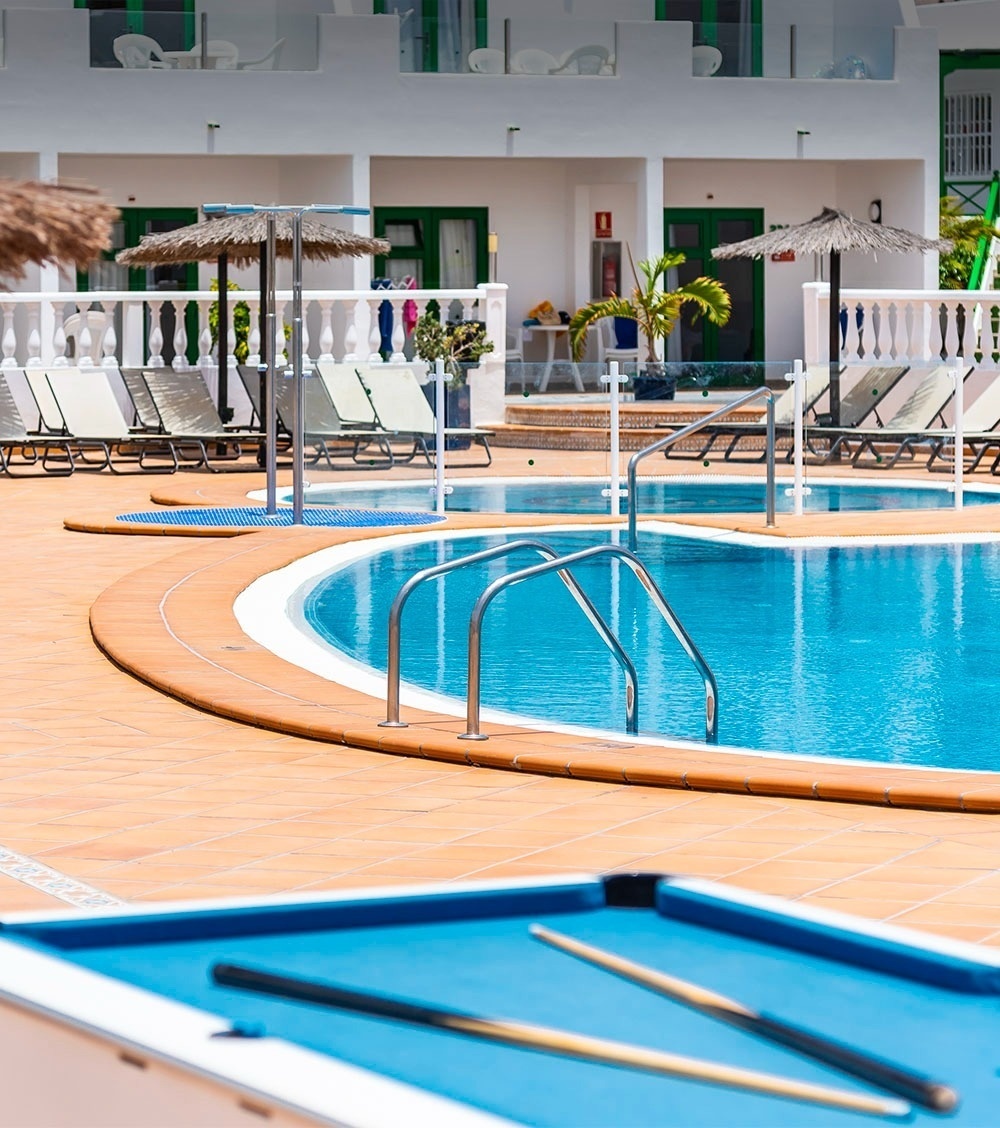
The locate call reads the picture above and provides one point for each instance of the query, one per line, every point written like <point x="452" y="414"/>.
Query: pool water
<point x="655" y="496"/>
<point x="887" y="652"/>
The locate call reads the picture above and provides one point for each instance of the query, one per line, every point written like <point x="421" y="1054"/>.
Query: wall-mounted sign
<point x="783" y="256"/>
<point x="602" y="225"/>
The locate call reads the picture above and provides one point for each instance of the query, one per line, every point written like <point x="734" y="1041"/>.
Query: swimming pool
<point x="883" y="652"/>
<point x="663" y="495"/>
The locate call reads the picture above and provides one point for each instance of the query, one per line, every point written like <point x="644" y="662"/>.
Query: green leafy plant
<point x="955" y="266"/>
<point x="656" y="311"/>
<point x="457" y="345"/>
<point x="239" y="314"/>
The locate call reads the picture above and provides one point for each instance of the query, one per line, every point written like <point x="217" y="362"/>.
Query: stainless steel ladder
<point x="691" y="429"/>
<point x="552" y="562"/>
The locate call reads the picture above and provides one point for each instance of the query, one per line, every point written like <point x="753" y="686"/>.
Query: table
<point x="552" y="333"/>
<point x="114" y="1018"/>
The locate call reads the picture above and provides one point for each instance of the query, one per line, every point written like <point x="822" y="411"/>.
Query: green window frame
<point x="427" y="253"/>
<point x="707" y="221"/>
<point x="429" y="21"/>
<point x="950" y="62"/>
<point x="710" y="28"/>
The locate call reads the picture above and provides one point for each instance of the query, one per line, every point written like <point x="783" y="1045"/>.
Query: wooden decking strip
<point x="172" y="625"/>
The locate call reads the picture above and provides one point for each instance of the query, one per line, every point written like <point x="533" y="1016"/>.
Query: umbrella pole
<point x="225" y="414"/>
<point x="299" y="414"/>
<point x="835" y="338"/>
<point x="270" y="404"/>
<point x="263" y="355"/>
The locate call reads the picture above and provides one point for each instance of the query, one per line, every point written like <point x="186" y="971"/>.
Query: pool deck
<point x="111" y="789"/>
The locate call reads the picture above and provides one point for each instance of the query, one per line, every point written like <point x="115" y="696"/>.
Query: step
<point x="582" y="438"/>
<point x="644" y="416"/>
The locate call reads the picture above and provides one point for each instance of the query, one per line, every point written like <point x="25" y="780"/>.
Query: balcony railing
<point x="136" y="329"/>
<point x="906" y="326"/>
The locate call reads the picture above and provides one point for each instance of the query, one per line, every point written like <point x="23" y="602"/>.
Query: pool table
<point x="114" y="1018"/>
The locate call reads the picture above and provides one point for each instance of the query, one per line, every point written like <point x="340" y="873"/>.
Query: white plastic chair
<point x="487" y="60"/>
<point x="96" y="324"/>
<point x="607" y="344"/>
<point x="139" y="52"/>
<point x="270" y="61"/>
<point x="705" y="60"/>
<point x="591" y="59"/>
<point x="533" y="60"/>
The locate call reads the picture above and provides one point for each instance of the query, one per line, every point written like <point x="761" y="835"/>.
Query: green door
<point x="695" y="231"/>
<point x="436" y="37"/>
<point x="169" y="22"/>
<point x="108" y="275"/>
<point x="731" y="25"/>
<point x="440" y="248"/>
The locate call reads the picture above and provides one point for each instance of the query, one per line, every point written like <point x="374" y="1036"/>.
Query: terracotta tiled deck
<point x="109" y="787"/>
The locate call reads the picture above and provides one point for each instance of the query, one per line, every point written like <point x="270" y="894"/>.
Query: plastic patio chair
<point x="139" y="52"/>
<point x="591" y="59"/>
<point x="270" y="61"/>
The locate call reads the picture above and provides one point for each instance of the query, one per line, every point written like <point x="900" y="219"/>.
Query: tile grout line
<point x="55" y="884"/>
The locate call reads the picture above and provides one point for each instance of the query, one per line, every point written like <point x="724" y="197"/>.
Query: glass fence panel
<point x="687" y="382"/>
<point x="150" y="39"/>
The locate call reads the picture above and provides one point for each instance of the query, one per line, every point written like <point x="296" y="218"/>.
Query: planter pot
<point x="655" y="382"/>
<point x="457" y="413"/>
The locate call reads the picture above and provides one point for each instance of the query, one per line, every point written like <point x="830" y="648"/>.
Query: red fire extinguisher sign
<point x="602" y="225"/>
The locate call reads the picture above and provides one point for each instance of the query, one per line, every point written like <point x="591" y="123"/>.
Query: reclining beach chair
<point x="817" y="381"/>
<point x="325" y="431"/>
<point x="859" y="404"/>
<point x="14" y="436"/>
<point x="402" y="409"/>
<point x="190" y="420"/>
<point x="980" y="421"/>
<point x="95" y="421"/>
<point x="350" y="400"/>
<point x="50" y="418"/>
<point x="145" y="417"/>
<point x="922" y="410"/>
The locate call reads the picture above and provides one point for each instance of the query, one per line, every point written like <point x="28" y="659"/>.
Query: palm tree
<point x="654" y="310"/>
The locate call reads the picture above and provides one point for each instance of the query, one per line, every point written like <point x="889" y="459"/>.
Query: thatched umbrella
<point x="832" y="232"/>
<point x="43" y="223"/>
<point x="239" y="239"/>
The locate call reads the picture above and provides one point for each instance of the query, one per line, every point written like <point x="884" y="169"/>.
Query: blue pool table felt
<point x="477" y="955"/>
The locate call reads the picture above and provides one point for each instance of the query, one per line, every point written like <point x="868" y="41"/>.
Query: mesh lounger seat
<point x="401" y="408"/>
<point x="35" y="449"/>
<point x="189" y="417"/>
<point x="95" y="421"/>
<point x="817" y="382"/>
<point x="860" y="403"/>
<point x="980" y="421"/>
<point x="923" y="407"/>
<point x="347" y="392"/>
<point x="325" y="431"/>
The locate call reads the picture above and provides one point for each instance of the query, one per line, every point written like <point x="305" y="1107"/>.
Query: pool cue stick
<point x="913" y="1086"/>
<point x="550" y="1040"/>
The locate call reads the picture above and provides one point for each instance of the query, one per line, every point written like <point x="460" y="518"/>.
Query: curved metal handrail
<point x="683" y="433"/>
<point x="396" y="612"/>
<point x="561" y="565"/>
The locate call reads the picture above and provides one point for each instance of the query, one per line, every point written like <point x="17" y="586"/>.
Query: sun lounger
<point x="817" y="381"/>
<point x="94" y="418"/>
<point x="401" y="408"/>
<point x="980" y="421"/>
<point x="348" y="394"/>
<point x="861" y="402"/>
<point x="922" y="409"/>
<point x="49" y="416"/>
<point x="145" y="415"/>
<point x="190" y="420"/>
<point x="34" y="448"/>
<point x="323" y="428"/>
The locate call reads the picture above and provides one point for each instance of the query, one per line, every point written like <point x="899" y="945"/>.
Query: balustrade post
<point x="326" y="332"/>
<point x="8" y="342"/>
<point x="34" y="338"/>
<point x="397" y="356"/>
<point x="155" y="334"/>
<point x="205" y="358"/>
<point x="180" y="360"/>
<point x="374" y="332"/>
<point x="109" y="342"/>
<point x="253" y="335"/>
<point x="59" y="343"/>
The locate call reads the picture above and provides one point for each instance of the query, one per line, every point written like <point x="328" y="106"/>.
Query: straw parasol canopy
<point x="42" y="223"/>
<point x="832" y="233"/>
<point x="239" y="238"/>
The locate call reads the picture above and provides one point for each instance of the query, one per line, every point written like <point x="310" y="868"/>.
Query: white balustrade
<point x="916" y="327"/>
<point x="345" y="325"/>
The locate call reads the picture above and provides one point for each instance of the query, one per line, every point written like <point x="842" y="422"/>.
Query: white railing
<point x="905" y="326"/>
<point x="134" y="329"/>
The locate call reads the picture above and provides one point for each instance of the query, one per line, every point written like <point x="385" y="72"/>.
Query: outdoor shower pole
<point x="298" y="388"/>
<point x="835" y="338"/>
<point x="271" y="396"/>
<point x="223" y="338"/>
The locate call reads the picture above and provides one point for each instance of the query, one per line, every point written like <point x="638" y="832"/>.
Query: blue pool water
<point x="886" y="652"/>
<point x="656" y="495"/>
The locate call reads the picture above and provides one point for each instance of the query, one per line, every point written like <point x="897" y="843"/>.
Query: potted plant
<point x="656" y="312"/>
<point x="460" y="346"/>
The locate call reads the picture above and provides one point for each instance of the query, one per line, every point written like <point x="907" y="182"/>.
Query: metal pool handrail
<point x="561" y="565"/>
<point x="683" y="433"/>
<point x="396" y="612"/>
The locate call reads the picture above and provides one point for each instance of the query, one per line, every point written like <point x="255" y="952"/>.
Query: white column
<point x="361" y="191"/>
<point x="650" y="237"/>
<point x="48" y="275"/>
<point x="959" y="405"/>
